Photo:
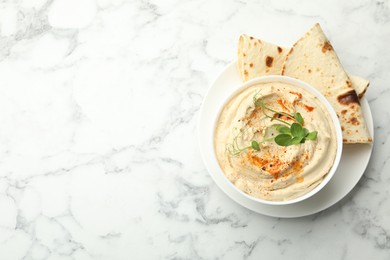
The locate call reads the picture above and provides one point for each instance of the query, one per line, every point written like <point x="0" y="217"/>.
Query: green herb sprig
<point x="291" y="134"/>
<point x="235" y="149"/>
<point x="295" y="134"/>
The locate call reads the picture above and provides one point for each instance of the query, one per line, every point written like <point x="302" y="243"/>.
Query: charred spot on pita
<point x="268" y="61"/>
<point x="251" y="65"/>
<point x="348" y="98"/>
<point x="327" y="47"/>
<point x="354" y="121"/>
<point x="280" y="49"/>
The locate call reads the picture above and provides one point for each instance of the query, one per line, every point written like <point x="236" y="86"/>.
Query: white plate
<point x="353" y="162"/>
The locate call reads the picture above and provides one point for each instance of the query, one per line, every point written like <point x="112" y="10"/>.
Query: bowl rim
<point x="296" y="83"/>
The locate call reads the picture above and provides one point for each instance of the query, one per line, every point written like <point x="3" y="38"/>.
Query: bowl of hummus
<point x="277" y="140"/>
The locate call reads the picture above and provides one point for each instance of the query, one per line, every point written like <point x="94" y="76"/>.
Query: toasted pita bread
<point x="313" y="60"/>
<point x="258" y="58"/>
<point x="252" y="61"/>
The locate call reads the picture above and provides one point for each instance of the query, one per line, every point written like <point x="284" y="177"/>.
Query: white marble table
<point x="98" y="148"/>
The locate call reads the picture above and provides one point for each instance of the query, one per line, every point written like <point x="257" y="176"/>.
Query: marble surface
<point x="99" y="104"/>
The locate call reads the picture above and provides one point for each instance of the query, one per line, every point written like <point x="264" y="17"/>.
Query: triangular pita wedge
<point x="313" y="60"/>
<point x="253" y="55"/>
<point x="258" y="58"/>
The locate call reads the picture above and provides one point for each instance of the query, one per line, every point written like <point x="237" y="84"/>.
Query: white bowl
<point x="324" y="101"/>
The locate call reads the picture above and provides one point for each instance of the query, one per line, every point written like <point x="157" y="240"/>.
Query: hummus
<point x="273" y="172"/>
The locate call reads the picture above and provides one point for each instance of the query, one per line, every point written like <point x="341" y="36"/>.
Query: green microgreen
<point x="297" y="135"/>
<point x="298" y="117"/>
<point x="283" y="140"/>
<point x="255" y="145"/>
<point x="283" y="129"/>
<point x="289" y="133"/>
<point x="312" y="135"/>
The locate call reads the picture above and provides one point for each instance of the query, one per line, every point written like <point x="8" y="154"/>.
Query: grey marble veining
<point x="99" y="104"/>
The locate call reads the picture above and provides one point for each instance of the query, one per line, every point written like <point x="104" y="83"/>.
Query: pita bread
<point x="252" y="61"/>
<point x="313" y="60"/>
<point x="259" y="58"/>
